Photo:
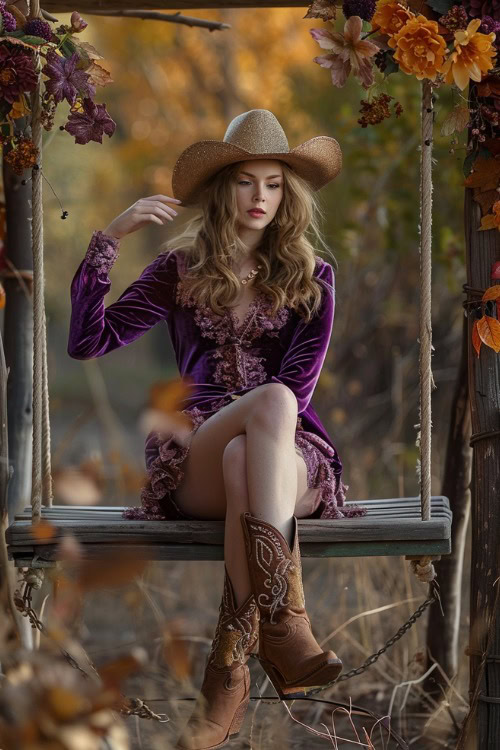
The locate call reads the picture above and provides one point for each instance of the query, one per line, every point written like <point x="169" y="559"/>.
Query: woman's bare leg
<point x="219" y="466"/>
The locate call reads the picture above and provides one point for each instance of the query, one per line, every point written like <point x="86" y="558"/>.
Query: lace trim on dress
<point x="102" y="251"/>
<point x="237" y="363"/>
<point x="318" y="456"/>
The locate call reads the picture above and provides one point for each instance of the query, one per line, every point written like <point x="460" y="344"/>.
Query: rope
<point x="425" y="319"/>
<point x="41" y="432"/>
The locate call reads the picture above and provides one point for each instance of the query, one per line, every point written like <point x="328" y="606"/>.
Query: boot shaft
<point x="275" y="569"/>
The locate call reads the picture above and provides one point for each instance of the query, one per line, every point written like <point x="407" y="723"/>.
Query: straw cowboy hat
<point x="256" y="134"/>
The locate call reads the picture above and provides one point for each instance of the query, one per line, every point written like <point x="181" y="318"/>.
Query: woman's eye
<point x="246" y="182"/>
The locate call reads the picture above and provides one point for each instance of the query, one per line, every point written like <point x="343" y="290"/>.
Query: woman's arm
<point x="96" y="329"/>
<point x="303" y="360"/>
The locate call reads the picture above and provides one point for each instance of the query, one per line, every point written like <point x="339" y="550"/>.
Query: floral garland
<point x="446" y="43"/>
<point x="72" y="74"/>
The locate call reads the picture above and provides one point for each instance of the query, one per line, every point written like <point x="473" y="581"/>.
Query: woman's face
<point x="259" y="185"/>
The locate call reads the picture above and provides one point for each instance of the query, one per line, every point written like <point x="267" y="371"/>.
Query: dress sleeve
<point x="96" y="329"/>
<point x="303" y="360"/>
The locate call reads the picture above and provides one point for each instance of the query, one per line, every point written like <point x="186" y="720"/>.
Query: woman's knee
<point x="234" y="469"/>
<point x="275" y="406"/>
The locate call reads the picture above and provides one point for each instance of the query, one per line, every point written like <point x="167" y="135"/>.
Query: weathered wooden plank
<point x="212" y="532"/>
<point x="48" y="555"/>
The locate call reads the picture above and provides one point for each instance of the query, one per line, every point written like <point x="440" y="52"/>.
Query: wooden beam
<point x="83" y="6"/>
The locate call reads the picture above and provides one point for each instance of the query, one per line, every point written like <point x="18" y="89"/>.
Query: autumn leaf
<point x="493" y="292"/>
<point x="2" y="296"/>
<point x="323" y="9"/>
<point x="455" y="121"/>
<point x="89" y="50"/>
<point x="486" y="199"/>
<point x="489" y="331"/>
<point x="99" y="75"/>
<point x="115" y="672"/>
<point x="488" y="222"/>
<point x="168" y="395"/>
<point x="476" y="341"/>
<point x="486" y="174"/>
<point x="43" y="530"/>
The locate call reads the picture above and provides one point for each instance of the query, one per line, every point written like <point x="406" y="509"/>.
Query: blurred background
<point x="174" y="85"/>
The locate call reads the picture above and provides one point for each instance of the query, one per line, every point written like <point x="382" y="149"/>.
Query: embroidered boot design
<point x="225" y="692"/>
<point x="288" y="651"/>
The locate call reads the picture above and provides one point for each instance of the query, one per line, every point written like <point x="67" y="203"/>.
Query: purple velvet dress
<point x="222" y="359"/>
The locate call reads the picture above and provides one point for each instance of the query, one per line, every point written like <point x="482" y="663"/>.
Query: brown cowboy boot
<point x="289" y="653"/>
<point x="225" y="692"/>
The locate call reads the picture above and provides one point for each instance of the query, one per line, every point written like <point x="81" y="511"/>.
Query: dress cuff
<point x="102" y="251"/>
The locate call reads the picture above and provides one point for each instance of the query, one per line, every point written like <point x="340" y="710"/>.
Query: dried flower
<point x="420" y="48"/>
<point x="349" y="51"/>
<point x="39" y="27"/>
<point x="65" y="81"/>
<point x="362" y="8"/>
<point x="23" y="156"/>
<point x="473" y="55"/>
<point x="17" y="72"/>
<point x="91" y="124"/>
<point x="455" y="19"/>
<point x="390" y="17"/>
<point x="77" y="22"/>
<point x="9" y="22"/>
<point x="377" y="110"/>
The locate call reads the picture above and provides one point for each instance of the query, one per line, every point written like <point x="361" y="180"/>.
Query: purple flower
<point x="65" y="82"/>
<point x="17" y="73"/>
<point x="38" y="27"/>
<point x="9" y="22"/>
<point x="91" y="124"/>
<point x="362" y="8"/>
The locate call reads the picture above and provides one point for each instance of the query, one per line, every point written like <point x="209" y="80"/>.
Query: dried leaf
<point x="43" y="530"/>
<point x="89" y="49"/>
<point x="486" y="199"/>
<point x="455" y="121"/>
<point x="119" y="570"/>
<point x="486" y="174"/>
<point x="489" y="331"/>
<point x="493" y="292"/>
<point x="476" y="341"/>
<point x="65" y="704"/>
<point x="175" y="651"/>
<point x="168" y="395"/>
<point x="115" y="672"/>
<point x="323" y="9"/>
<point x="99" y="75"/>
<point x="488" y="222"/>
<point x="18" y="15"/>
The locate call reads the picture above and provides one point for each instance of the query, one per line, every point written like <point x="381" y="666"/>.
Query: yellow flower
<point x="472" y="56"/>
<point x="390" y="17"/>
<point x="420" y="49"/>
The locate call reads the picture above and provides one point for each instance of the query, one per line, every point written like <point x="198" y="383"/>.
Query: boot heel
<point x="239" y="717"/>
<point x="293" y="691"/>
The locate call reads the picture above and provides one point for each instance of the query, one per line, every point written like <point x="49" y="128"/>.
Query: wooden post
<point x="18" y="338"/>
<point x="442" y="634"/>
<point x="482" y="729"/>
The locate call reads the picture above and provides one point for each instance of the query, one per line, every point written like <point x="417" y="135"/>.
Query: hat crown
<point x="257" y="131"/>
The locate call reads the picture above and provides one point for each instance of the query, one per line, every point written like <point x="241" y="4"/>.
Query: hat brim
<point x="318" y="160"/>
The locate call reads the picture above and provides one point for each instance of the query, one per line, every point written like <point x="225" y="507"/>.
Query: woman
<point x="249" y="307"/>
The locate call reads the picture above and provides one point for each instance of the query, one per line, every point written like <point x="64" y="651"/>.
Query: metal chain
<point x="388" y="644"/>
<point x="129" y="707"/>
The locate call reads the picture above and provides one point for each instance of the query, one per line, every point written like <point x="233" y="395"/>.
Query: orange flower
<point x="472" y="56"/>
<point x="420" y="49"/>
<point x="390" y="17"/>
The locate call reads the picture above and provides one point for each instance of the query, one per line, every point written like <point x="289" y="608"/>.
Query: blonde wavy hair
<point x="210" y="242"/>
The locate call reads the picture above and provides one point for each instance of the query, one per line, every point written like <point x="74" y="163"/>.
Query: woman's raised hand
<point x="144" y="211"/>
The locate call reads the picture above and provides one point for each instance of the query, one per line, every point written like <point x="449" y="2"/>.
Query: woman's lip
<point x="260" y="213"/>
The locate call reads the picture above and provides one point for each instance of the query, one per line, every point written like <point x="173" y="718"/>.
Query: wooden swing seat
<point x="391" y="527"/>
